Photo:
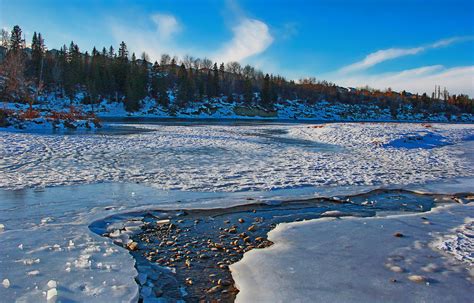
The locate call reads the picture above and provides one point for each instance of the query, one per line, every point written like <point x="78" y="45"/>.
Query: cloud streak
<point x="383" y="55"/>
<point x="418" y="80"/>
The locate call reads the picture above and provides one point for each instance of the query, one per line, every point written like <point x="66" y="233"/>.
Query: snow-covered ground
<point x="238" y="158"/>
<point x="45" y="234"/>
<point x="360" y="260"/>
<point x="218" y="108"/>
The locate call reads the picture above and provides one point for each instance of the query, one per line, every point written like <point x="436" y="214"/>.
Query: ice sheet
<point x="359" y="260"/>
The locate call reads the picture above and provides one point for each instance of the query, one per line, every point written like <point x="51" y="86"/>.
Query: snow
<point x="348" y="264"/>
<point x="56" y="186"/>
<point x="237" y="158"/>
<point x="218" y="108"/>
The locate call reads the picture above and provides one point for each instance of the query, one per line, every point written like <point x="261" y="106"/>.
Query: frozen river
<point x="55" y="185"/>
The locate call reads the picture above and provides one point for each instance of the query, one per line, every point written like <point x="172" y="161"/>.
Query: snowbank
<point x="387" y="259"/>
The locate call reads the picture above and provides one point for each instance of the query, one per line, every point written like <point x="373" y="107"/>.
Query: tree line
<point x="26" y="73"/>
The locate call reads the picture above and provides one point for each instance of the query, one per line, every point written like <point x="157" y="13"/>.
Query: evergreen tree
<point x="215" y="81"/>
<point x="16" y="42"/>
<point x="265" y="97"/>
<point x="183" y="87"/>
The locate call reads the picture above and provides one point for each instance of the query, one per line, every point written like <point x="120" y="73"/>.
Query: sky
<point x="408" y="45"/>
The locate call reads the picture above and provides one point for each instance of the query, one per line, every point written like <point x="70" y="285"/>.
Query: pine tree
<point x="37" y="56"/>
<point x="215" y="81"/>
<point x="265" y="98"/>
<point x="183" y="86"/>
<point x="16" y="42"/>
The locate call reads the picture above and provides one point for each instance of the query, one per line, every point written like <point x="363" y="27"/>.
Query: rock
<point x="52" y="284"/>
<point x="189" y="281"/>
<point x="146" y="291"/>
<point x="259" y="239"/>
<point x="241" y="220"/>
<point x="203" y="256"/>
<point x="33" y="273"/>
<point x="141" y="278"/>
<point x="224" y="282"/>
<point x="398" y="235"/>
<point x="334" y="213"/>
<point x="2" y="227"/>
<point x="52" y="295"/>
<point x="252" y="227"/>
<point x="232" y="230"/>
<point x="214" y="289"/>
<point x="163" y="222"/>
<point x="396" y="269"/>
<point x="132" y="246"/>
<point x="430" y="268"/>
<point x="417" y="279"/>
<point x="157" y="291"/>
<point x="187" y="262"/>
<point x="6" y="283"/>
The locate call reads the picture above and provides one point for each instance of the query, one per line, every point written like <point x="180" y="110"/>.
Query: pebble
<point x="223" y="282"/>
<point x="417" y="278"/>
<point x="214" y="289"/>
<point x="141" y="278"/>
<point x="396" y="269"/>
<point x="52" y="295"/>
<point x="145" y="291"/>
<point x="252" y="228"/>
<point x="52" y="284"/>
<point x="6" y="283"/>
<point x="132" y="246"/>
<point x="398" y="235"/>
<point x="2" y="227"/>
<point x="241" y="220"/>
<point x="157" y="291"/>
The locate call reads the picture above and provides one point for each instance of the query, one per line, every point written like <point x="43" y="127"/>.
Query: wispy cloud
<point x="166" y="25"/>
<point x="155" y="40"/>
<point x="380" y="56"/>
<point x="418" y="80"/>
<point x="251" y="37"/>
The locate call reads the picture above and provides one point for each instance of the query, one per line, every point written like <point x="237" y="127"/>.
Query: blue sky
<point x="402" y="44"/>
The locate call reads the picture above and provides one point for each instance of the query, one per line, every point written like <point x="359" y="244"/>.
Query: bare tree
<point x="188" y="61"/>
<point x="165" y="59"/>
<point x="206" y="63"/>
<point x="5" y="38"/>
<point x="233" y="67"/>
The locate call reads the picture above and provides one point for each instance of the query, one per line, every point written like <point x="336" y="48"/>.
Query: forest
<point x="29" y="71"/>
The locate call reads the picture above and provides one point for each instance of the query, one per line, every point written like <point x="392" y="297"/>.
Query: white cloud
<point x="155" y="41"/>
<point x="251" y="37"/>
<point x="166" y="25"/>
<point x="418" y="80"/>
<point x="392" y="53"/>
